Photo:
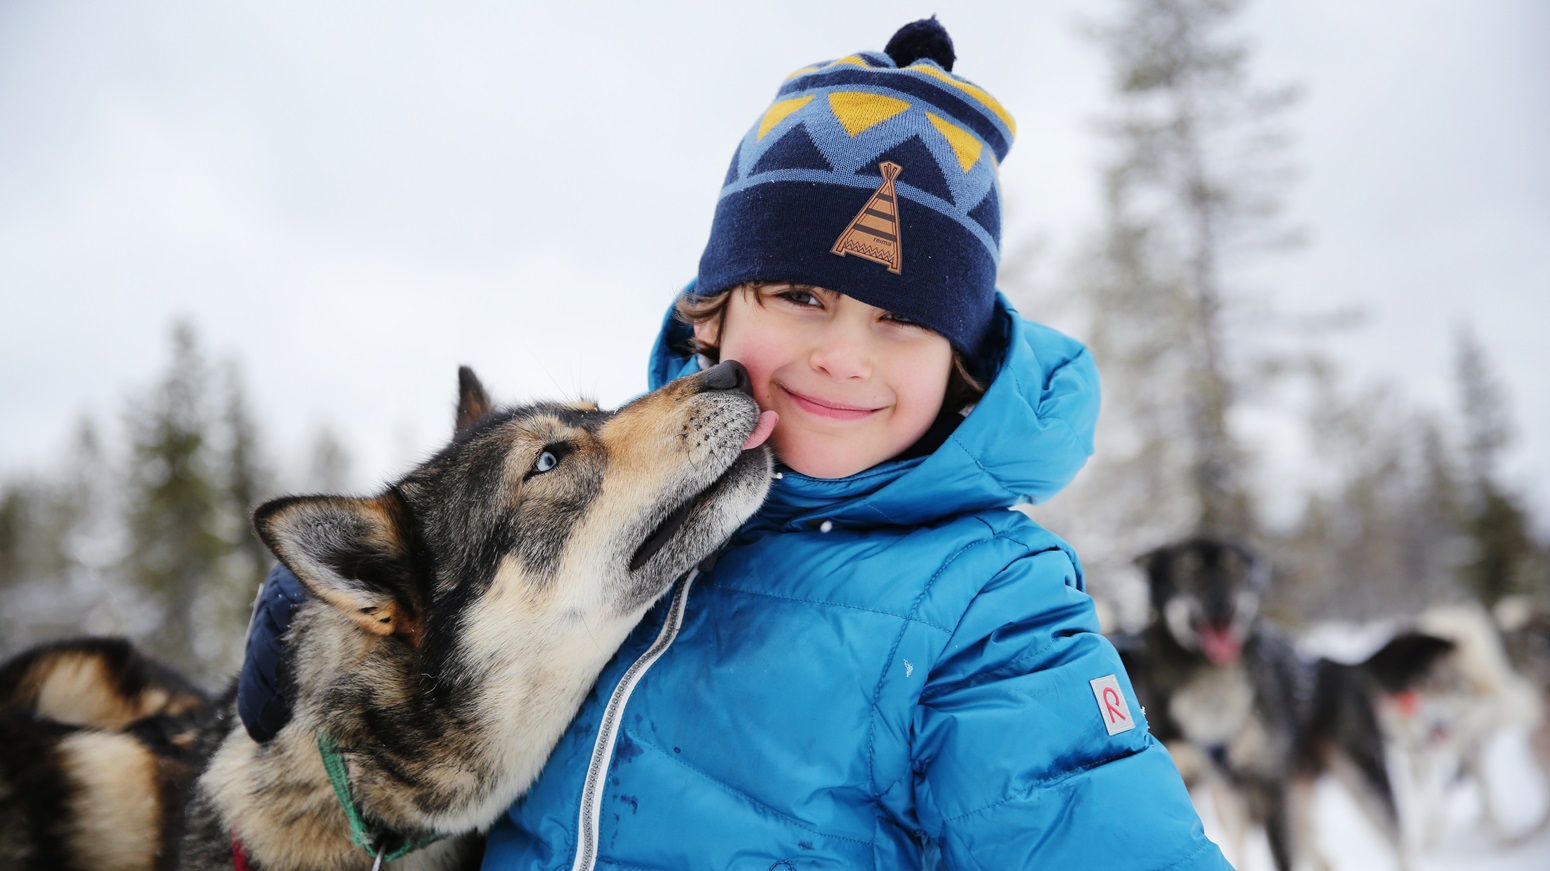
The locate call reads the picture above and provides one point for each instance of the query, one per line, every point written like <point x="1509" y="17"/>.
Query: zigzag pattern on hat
<point x="924" y="78"/>
<point x="875" y="175"/>
<point x="839" y="134"/>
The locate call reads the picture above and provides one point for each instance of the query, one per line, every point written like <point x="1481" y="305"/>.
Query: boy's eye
<point x="900" y="319"/>
<point x="800" y="297"/>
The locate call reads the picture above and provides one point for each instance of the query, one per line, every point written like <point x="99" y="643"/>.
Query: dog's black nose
<point x="729" y="375"/>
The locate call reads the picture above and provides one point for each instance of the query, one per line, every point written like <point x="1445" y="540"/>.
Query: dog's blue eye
<point x="546" y="461"/>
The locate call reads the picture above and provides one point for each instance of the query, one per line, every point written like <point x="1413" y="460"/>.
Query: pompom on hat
<point x="875" y="175"/>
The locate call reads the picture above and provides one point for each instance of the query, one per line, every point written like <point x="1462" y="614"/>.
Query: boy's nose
<point x="842" y="355"/>
<point x="728" y="375"/>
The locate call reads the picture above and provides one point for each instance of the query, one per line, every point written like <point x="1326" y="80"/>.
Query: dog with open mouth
<point x="1249" y="715"/>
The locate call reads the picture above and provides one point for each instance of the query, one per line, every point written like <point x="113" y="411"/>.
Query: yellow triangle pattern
<point x="965" y="144"/>
<point x="778" y="112"/>
<point x="858" y="110"/>
<point x="971" y="90"/>
<point x="802" y="72"/>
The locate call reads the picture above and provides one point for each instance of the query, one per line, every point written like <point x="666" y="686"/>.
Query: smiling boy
<point x="885" y="667"/>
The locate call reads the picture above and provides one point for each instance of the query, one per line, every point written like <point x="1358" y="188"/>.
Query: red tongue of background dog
<point x="1220" y="645"/>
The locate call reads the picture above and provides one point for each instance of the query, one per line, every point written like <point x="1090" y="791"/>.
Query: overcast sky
<point x="349" y="199"/>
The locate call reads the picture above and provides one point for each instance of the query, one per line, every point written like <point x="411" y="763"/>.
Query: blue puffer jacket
<point x="885" y="671"/>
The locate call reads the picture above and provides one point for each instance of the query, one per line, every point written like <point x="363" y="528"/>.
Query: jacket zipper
<point x="608" y="730"/>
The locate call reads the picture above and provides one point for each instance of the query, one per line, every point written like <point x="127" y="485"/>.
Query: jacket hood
<point x="1027" y="438"/>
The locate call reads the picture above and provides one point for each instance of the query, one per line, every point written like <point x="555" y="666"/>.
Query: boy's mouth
<point x="827" y="408"/>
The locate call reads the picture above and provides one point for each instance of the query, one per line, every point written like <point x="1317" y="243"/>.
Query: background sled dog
<point x="97" y="751"/>
<point x="456" y="620"/>
<point x="1485" y="684"/>
<point x="1222" y="685"/>
<point x="1524" y="622"/>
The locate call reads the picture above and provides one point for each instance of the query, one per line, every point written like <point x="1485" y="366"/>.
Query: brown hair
<point x="963" y="389"/>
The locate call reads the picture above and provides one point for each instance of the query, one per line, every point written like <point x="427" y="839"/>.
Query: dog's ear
<point x="473" y="403"/>
<point x="1151" y="560"/>
<point x="1255" y="568"/>
<point x="1154" y="566"/>
<point x="351" y="553"/>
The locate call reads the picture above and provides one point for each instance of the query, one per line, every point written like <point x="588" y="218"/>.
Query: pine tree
<point x="1192" y="199"/>
<point x="15" y="523"/>
<point x="1438" y="537"/>
<point x="17" y="510"/>
<point x="90" y="538"/>
<point x="246" y="479"/>
<point x="173" y="502"/>
<point x="57" y="549"/>
<point x="1502" y="550"/>
<point x="1195" y="188"/>
<point x="1377" y="535"/>
<point x="154" y="542"/>
<point x="249" y="479"/>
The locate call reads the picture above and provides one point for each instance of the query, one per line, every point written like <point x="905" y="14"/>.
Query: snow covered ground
<point x="1460" y="842"/>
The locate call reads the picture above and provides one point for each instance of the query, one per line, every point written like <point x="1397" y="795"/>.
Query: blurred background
<point x="244" y="247"/>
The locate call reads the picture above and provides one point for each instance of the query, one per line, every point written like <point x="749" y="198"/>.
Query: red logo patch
<point x="1112" y="705"/>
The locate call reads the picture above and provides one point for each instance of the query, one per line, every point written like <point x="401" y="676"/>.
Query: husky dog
<point x="1224" y="686"/>
<point x="1485" y="684"/>
<point x="456" y="620"/>
<point x="1524" y="621"/>
<point x="97" y="751"/>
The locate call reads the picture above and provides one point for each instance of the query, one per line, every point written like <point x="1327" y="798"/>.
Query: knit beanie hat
<point x="874" y="175"/>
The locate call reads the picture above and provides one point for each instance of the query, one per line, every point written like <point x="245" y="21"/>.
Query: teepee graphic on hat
<point x="874" y="232"/>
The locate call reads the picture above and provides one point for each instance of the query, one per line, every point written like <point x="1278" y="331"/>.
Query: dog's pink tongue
<point x="1221" y="646"/>
<point x="761" y="430"/>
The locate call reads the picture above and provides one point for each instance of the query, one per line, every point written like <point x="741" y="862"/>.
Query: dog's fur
<point x="1249" y="716"/>
<point x="1524" y="622"/>
<point x="97" y="752"/>
<point x="458" y="618"/>
<point x="1443" y="724"/>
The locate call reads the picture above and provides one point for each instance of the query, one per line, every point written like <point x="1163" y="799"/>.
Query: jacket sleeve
<point x="1015" y="764"/>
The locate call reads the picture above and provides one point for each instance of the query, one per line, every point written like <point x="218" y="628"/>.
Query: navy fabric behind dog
<point x="261" y="701"/>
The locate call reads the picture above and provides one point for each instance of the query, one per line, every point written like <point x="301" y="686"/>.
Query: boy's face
<point x="853" y="385"/>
